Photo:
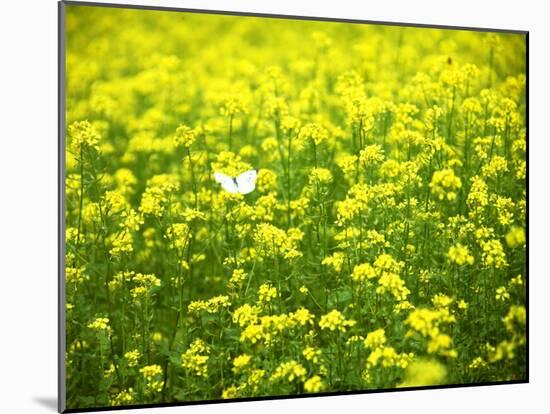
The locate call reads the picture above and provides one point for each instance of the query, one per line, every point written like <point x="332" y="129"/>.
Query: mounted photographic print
<point x="257" y="206"/>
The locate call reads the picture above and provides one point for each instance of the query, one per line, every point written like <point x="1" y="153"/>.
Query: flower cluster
<point x="195" y="359"/>
<point x="335" y="320"/>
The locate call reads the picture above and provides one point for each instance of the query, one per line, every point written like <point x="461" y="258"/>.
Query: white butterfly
<point x="244" y="183"/>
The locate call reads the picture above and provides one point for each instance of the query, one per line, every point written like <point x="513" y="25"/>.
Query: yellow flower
<point x="266" y="293"/>
<point x="460" y="255"/>
<point x="151" y="371"/>
<point x="334" y="320"/>
<point x="348" y="165"/>
<point x="195" y="359"/>
<point x="212" y="305"/>
<point x="371" y="154"/>
<point x="496" y="166"/>
<point x="336" y="261"/>
<point x="445" y="184"/>
<point x="311" y="354"/>
<point x="230" y="392"/>
<point x="132" y="357"/>
<point x="100" y="324"/>
<point x="83" y="136"/>
<point x="392" y="283"/>
<point x="478" y="197"/>
<point x="240" y="362"/>
<point x="74" y="275"/>
<point x="493" y="254"/>
<point x="440" y="344"/>
<point x="290" y="371"/>
<point x="363" y="272"/>
<point x="515" y="319"/>
<point x="124" y="397"/>
<point x="122" y="244"/>
<point x="517" y="281"/>
<point x="144" y="284"/>
<point x="234" y="104"/>
<point x="313" y="132"/>
<point x="131" y="220"/>
<point x="386" y="263"/>
<point x="314" y="384"/>
<point x="155" y="196"/>
<point x="245" y="315"/>
<point x="429" y="323"/>
<point x="476" y="363"/>
<point x="424" y="372"/>
<point x="186" y="136"/>
<point x="502" y="294"/>
<point x="441" y="301"/>
<point x="387" y="357"/>
<point x="273" y="241"/>
<point x="375" y="339"/>
<point x="153" y="375"/>
<point x="302" y="317"/>
<point x="515" y="237"/>
<point x="230" y="164"/>
<point x="320" y="176"/>
<point x="237" y="277"/>
<point x="266" y="181"/>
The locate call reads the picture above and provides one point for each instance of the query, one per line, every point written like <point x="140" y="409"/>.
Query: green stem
<point x="81" y="199"/>
<point x="193" y="179"/>
<point x="289" y="191"/>
<point x="230" y="135"/>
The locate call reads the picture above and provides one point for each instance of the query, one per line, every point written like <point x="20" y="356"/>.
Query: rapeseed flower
<point x="335" y="320"/>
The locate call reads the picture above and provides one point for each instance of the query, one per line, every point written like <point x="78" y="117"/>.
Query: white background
<point x="28" y="173"/>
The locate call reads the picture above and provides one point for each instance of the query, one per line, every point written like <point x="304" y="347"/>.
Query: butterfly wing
<point x="246" y="182"/>
<point x="226" y="182"/>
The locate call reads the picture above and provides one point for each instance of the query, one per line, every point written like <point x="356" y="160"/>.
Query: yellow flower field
<point x="384" y="244"/>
